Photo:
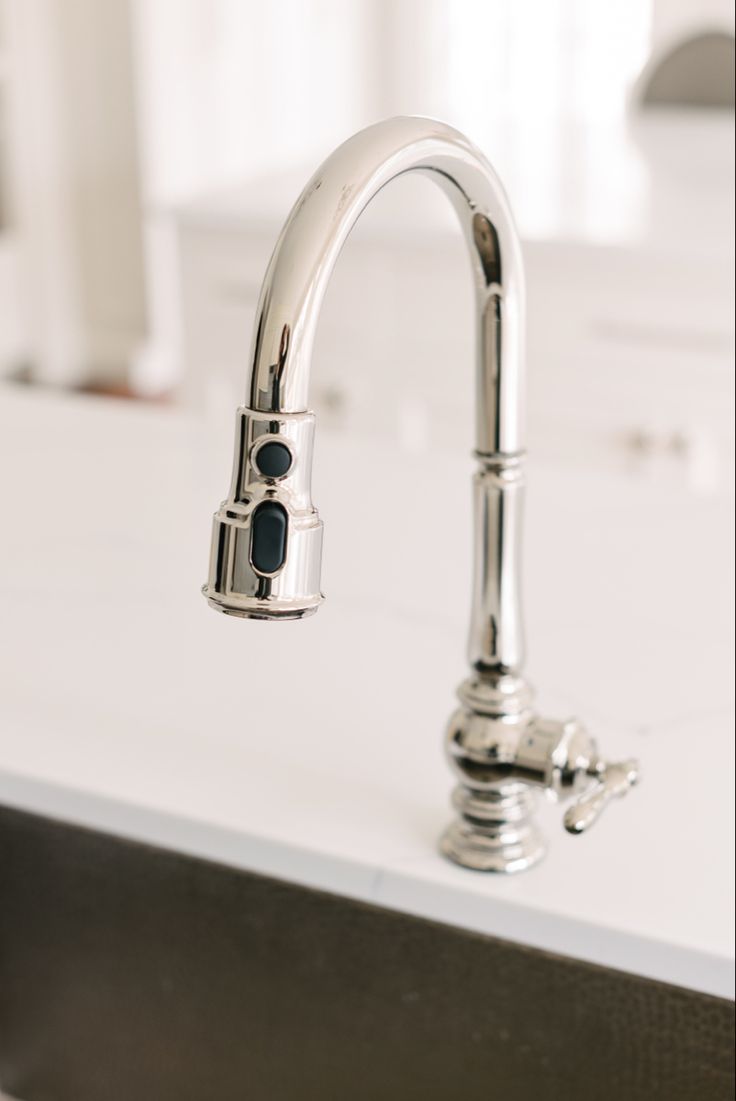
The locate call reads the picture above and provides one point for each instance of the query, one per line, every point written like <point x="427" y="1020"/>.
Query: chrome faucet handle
<point x="610" y="780"/>
<point x="502" y="751"/>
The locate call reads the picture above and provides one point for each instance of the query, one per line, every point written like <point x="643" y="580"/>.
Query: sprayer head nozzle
<point x="266" y="555"/>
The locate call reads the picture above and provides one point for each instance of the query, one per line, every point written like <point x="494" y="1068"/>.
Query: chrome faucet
<point x="267" y="536"/>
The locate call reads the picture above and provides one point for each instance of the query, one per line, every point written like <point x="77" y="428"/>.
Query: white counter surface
<point x="312" y="751"/>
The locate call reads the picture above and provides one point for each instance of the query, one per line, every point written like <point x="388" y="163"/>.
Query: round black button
<point x="273" y="459"/>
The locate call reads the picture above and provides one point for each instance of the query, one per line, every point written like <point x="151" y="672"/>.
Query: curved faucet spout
<point x="267" y="536"/>
<point x="317" y="229"/>
<point x="277" y="393"/>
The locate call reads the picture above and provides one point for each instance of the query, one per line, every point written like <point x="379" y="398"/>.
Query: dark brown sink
<point x="128" y="973"/>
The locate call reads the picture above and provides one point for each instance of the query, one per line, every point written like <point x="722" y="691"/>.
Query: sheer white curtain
<point x="540" y="85"/>
<point x="235" y="88"/>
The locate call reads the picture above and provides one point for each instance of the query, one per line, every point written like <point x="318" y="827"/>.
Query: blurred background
<point x="150" y="150"/>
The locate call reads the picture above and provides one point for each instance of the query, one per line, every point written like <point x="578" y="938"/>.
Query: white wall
<point x="673" y="19"/>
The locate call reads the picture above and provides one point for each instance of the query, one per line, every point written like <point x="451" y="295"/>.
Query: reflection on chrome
<point x="267" y="535"/>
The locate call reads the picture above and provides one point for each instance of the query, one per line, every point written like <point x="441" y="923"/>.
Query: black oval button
<point x="273" y="459"/>
<point x="268" y="537"/>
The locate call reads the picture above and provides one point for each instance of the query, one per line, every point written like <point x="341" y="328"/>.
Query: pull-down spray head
<point x="266" y="552"/>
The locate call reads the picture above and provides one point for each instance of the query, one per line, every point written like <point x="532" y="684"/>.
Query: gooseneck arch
<point x="289" y="308"/>
<point x="320" y="223"/>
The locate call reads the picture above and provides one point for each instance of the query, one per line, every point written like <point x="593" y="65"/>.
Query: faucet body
<point x="267" y="536"/>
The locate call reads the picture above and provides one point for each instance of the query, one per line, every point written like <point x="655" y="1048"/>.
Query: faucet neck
<point x="316" y="230"/>
<point x="269" y="520"/>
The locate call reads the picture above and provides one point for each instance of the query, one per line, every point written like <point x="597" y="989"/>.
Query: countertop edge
<point x="392" y="885"/>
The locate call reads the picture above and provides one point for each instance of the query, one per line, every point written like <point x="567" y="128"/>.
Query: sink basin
<point x="132" y="972"/>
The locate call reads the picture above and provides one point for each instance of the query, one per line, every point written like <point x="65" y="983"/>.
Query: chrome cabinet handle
<point x="612" y="780"/>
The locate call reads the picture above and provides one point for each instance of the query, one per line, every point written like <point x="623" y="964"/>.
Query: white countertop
<point x="312" y="751"/>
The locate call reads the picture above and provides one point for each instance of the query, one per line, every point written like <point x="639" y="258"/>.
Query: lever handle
<point x="611" y="780"/>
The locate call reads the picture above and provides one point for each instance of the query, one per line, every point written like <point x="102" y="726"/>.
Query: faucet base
<point x="495" y="832"/>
